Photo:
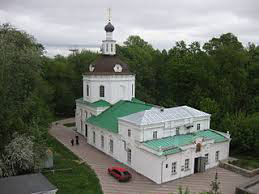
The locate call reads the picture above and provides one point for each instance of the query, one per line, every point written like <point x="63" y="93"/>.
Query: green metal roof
<point x="171" y="145"/>
<point x="108" y="119"/>
<point x="137" y="100"/>
<point x="99" y="103"/>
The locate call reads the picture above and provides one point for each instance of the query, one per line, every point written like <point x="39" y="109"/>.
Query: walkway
<point x="140" y="184"/>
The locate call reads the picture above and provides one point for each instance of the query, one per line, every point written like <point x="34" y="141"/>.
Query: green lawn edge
<point x="81" y="179"/>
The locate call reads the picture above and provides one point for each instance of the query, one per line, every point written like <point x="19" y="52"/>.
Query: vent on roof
<point x="162" y="109"/>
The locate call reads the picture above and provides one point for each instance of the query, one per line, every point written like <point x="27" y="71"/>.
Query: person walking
<point x="72" y="142"/>
<point x="77" y="140"/>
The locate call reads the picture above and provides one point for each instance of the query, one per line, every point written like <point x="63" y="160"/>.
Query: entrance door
<point x="199" y="164"/>
<point x="196" y="165"/>
<point x="85" y="130"/>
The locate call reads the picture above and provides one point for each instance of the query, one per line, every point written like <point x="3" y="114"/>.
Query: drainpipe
<point x="162" y="164"/>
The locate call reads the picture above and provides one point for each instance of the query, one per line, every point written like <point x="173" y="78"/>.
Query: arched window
<point x="87" y="90"/>
<point x="101" y="91"/>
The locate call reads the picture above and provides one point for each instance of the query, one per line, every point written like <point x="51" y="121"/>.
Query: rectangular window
<point x="217" y="156"/>
<point x="93" y="136"/>
<point x="186" y="164"/>
<point x="102" y="91"/>
<point x="173" y="170"/>
<point x="177" y="131"/>
<point x="154" y="134"/>
<point x="129" y="132"/>
<point x="102" y="141"/>
<point x="206" y="159"/>
<point x="87" y="90"/>
<point x="129" y="156"/>
<point x="198" y="126"/>
<point x="111" y="145"/>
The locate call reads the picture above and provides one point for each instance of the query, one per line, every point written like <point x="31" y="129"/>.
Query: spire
<point x="109" y="45"/>
<point x="109" y="14"/>
<point x="109" y="27"/>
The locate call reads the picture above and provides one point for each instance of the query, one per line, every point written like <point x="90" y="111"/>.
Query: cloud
<point x="81" y="22"/>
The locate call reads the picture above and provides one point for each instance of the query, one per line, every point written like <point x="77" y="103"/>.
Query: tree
<point x="215" y="185"/>
<point x="18" y="156"/>
<point x="24" y="95"/>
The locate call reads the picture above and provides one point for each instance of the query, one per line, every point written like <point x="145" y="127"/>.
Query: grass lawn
<point x="80" y="180"/>
<point x="70" y="124"/>
<point x="246" y="162"/>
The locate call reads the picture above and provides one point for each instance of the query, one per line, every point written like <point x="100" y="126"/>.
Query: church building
<point x="162" y="144"/>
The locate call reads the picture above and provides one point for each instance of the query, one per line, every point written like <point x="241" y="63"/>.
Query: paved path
<point x="139" y="184"/>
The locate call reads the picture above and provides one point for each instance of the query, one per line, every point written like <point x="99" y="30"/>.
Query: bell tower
<point x="108" y="45"/>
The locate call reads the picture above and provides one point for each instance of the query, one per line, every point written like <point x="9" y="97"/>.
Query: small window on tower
<point x="101" y="91"/>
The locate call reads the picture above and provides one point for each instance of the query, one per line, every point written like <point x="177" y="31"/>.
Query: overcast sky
<point x="61" y="24"/>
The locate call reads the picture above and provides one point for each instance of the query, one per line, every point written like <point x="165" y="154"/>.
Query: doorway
<point x="199" y="164"/>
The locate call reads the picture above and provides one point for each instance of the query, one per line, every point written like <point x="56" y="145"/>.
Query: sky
<point x="63" y="24"/>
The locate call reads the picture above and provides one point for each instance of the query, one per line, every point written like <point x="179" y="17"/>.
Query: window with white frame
<point x="198" y="126"/>
<point x="93" y="136"/>
<point x="129" y="156"/>
<point x="173" y="170"/>
<point x="187" y="164"/>
<point x="206" y="159"/>
<point x="217" y="156"/>
<point x="129" y="133"/>
<point x="111" y="145"/>
<point x="154" y="134"/>
<point x="102" y="141"/>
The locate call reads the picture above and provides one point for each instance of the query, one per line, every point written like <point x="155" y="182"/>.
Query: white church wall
<point x="135" y="132"/>
<point x="117" y="87"/>
<point x="117" y="144"/>
<point x="191" y="154"/>
<point x="82" y="112"/>
<point x="169" y="128"/>
<point x="147" y="164"/>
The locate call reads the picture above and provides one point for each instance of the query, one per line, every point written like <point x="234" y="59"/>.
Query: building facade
<point x="173" y="142"/>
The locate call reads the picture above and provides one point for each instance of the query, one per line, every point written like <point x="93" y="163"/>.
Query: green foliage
<point x="64" y="75"/>
<point x="23" y="93"/>
<point x="18" y="156"/>
<point x="244" y="130"/>
<point x="215" y="185"/>
<point x="182" y="191"/>
<point x="80" y="179"/>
